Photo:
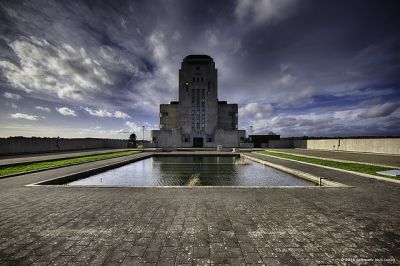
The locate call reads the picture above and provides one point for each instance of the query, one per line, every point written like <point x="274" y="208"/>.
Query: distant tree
<point x="132" y="141"/>
<point x="132" y="137"/>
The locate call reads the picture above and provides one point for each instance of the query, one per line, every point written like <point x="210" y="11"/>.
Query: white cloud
<point x="380" y="110"/>
<point x="63" y="71"/>
<point x="66" y="111"/>
<point x="256" y="110"/>
<point x="119" y="114"/>
<point x="12" y="96"/>
<point x="99" y="112"/>
<point x="105" y="113"/>
<point x="24" y="116"/>
<point x="42" y="108"/>
<point x="331" y="123"/>
<point x="138" y="130"/>
<point x="113" y="60"/>
<point x="133" y="126"/>
<point x="264" y="11"/>
<point x="156" y="41"/>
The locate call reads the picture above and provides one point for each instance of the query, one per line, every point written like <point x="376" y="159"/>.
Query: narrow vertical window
<point x="209" y="86"/>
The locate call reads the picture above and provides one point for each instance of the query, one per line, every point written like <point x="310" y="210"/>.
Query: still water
<point x="183" y="170"/>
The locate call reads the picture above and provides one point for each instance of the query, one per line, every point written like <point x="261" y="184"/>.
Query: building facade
<point x="198" y="119"/>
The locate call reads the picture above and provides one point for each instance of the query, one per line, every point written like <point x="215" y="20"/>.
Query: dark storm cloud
<point x="295" y="67"/>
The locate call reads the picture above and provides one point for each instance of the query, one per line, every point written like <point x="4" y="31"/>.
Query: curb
<point x="337" y="169"/>
<point x="57" y="167"/>
<point x="304" y="175"/>
<point x="79" y="175"/>
<point x="361" y="152"/>
<point x="335" y="160"/>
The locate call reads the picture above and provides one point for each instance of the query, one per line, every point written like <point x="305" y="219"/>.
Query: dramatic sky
<point x="295" y="67"/>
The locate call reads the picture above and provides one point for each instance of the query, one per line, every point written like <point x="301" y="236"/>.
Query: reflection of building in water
<point x="198" y="119"/>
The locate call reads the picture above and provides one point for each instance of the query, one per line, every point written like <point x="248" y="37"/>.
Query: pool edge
<point x="61" y="181"/>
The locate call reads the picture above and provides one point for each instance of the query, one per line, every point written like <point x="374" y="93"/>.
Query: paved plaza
<point x="46" y="225"/>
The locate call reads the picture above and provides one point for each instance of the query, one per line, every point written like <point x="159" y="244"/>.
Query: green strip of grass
<point x="34" y="166"/>
<point x="356" y="167"/>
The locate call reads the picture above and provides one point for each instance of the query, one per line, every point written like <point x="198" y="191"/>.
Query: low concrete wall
<point x="38" y="145"/>
<point x="381" y="145"/>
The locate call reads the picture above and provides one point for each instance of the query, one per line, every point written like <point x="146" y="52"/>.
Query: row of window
<point x="187" y="85"/>
<point x="187" y="139"/>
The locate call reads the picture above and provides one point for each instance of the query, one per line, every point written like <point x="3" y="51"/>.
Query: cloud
<point x="156" y="41"/>
<point x="66" y="111"/>
<point x="380" y="110"/>
<point x="286" y="81"/>
<point x="212" y="38"/>
<point x="264" y="11"/>
<point x="119" y="114"/>
<point x="99" y="113"/>
<point x="138" y="130"/>
<point x="42" y="108"/>
<point x="61" y="70"/>
<point x="133" y="126"/>
<point x="256" y="110"/>
<point x="302" y="97"/>
<point x="12" y="96"/>
<point x="12" y="105"/>
<point x="105" y="113"/>
<point x="24" y="116"/>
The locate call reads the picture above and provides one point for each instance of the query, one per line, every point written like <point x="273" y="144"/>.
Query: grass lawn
<point x="356" y="167"/>
<point x="32" y="166"/>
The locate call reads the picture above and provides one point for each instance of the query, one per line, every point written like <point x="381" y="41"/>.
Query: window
<point x="194" y="79"/>
<point x="209" y="139"/>
<point x="197" y="68"/>
<point x="187" y="86"/>
<point x="162" y="114"/>
<point x="202" y="79"/>
<point x="209" y="86"/>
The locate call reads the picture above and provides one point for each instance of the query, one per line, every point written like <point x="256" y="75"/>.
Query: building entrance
<point x="198" y="142"/>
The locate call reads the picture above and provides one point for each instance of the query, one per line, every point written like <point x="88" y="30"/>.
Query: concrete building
<point x="198" y="119"/>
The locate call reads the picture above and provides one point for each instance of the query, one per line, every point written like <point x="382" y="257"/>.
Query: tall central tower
<point x="198" y="100"/>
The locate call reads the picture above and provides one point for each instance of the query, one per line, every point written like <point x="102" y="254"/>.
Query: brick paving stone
<point x="131" y="261"/>
<point x="200" y="226"/>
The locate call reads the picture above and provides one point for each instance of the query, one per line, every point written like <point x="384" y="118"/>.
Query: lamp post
<point x="251" y="132"/>
<point x="143" y="139"/>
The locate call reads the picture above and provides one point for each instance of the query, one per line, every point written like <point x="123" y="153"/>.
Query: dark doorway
<point x="197" y="142"/>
